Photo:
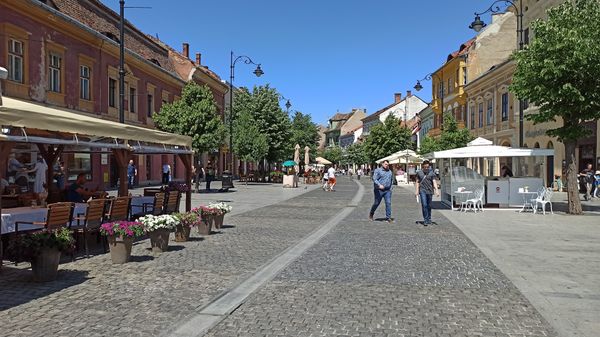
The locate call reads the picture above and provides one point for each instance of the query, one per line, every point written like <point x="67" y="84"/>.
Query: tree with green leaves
<point x="387" y="138"/>
<point x="263" y="105"/>
<point x="559" y="72"/>
<point x="452" y="137"/>
<point x="303" y="132"/>
<point x="333" y="154"/>
<point x="250" y="144"/>
<point x="194" y="115"/>
<point x="355" y="154"/>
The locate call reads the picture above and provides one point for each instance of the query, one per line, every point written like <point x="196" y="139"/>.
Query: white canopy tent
<point x="477" y="166"/>
<point x="402" y="157"/>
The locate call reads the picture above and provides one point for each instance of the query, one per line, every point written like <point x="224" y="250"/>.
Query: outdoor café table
<point x="464" y="195"/>
<point x="137" y="204"/>
<point x="10" y="216"/>
<point x="527" y="200"/>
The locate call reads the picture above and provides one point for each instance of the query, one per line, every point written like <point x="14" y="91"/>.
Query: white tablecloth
<point x="12" y="215"/>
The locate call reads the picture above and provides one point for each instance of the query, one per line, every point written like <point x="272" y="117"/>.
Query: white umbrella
<point x="322" y="160"/>
<point x="306" y="156"/>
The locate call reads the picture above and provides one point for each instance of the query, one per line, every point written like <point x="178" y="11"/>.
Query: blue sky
<point x="324" y="55"/>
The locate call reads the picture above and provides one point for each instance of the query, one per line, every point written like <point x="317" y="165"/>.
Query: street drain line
<point x="221" y="307"/>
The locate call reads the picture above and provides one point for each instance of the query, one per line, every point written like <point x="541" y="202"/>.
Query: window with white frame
<point x="84" y="82"/>
<point x="472" y="116"/>
<point x="504" y="106"/>
<point x="112" y="92"/>
<point x="480" y="115"/>
<point x="54" y="70"/>
<point x="15" y="60"/>
<point x="490" y="111"/>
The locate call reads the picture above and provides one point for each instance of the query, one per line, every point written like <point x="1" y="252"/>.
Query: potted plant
<point x="219" y="215"/>
<point x="186" y="222"/>
<point x="159" y="227"/>
<point x="206" y="214"/>
<point x="120" y="236"/>
<point x="43" y="250"/>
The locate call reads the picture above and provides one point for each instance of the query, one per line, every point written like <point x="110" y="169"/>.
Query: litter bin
<point x="226" y="181"/>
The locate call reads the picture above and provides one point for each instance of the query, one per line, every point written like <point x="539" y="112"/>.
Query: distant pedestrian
<point x="166" y="173"/>
<point x="210" y="175"/>
<point x="331" y="177"/>
<point x="131" y="173"/>
<point x="587" y="176"/>
<point x="425" y="187"/>
<point x="359" y="173"/>
<point x="382" y="189"/>
<point x="325" y="180"/>
<point x="200" y="174"/>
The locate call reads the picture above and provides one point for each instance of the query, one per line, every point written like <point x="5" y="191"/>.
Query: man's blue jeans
<point x="130" y="181"/>
<point x="425" y="206"/>
<point x="387" y="196"/>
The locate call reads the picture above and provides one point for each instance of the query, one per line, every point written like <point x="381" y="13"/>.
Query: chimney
<point x="408" y="93"/>
<point x="186" y="50"/>
<point x="397" y="97"/>
<point x="198" y="59"/>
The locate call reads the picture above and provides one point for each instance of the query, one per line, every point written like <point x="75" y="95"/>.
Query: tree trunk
<point x="572" y="181"/>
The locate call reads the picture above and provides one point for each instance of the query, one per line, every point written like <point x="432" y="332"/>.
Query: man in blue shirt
<point x="382" y="189"/>
<point x="131" y="173"/>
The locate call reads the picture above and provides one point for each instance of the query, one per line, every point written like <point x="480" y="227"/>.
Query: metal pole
<point x="122" y="62"/>
<point x="231" y="76"/>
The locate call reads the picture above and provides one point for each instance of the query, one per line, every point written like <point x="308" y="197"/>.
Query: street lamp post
<point x="478" y="24"/>
<point x="428" y="77"/>
<point x="258" y="72"/>
<point x="288" y="105"/>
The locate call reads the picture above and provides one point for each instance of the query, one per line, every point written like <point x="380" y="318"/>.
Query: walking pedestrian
<point x="131" y="173"/>
<point x="331" y="177"/>
<point x="200" y="173"/>
<point x="425" y="187"/>
<point x="588" y="177"/>
<point x="40" y="169"/>
<point x="359" y="173"/>
<point x="166" y="173"/>
<point x="382" y="189"/>
<point x="325" y="180"/>
<point x="596" y="193"/>
<point x="210" y="175"/>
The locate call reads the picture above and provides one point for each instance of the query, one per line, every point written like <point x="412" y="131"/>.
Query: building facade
<point x="403" y="109"/>
<point x="341" y="124"/>
<point x="66" y="53"/>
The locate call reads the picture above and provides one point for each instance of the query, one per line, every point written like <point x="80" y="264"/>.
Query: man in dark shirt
<point x="131" y="173"/>
<point x="588" y="177"/>
<point x="426" y="186"/>
<point x="76" y="192"/>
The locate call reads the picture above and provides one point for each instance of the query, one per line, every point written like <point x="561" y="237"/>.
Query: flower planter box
<point x="182" y="233"/>
<point x="218" y="220"/>
<point x="205" y="227"/>
<point x="159" y="240"/>
<point x="120" y="249"/>
<point x="45" y="265"/>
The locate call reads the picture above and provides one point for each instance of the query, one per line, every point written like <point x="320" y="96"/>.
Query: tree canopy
<point x="303" y="132"/>
<point x="452" y="137"/>
<point x="250" y="143"/>
<point x="387" y="138"/>
<point x="559" y="72"/>
<point x="194" y="115"/>
<point x="355" y="154"/>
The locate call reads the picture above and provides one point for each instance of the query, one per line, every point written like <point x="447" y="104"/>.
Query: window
<point x="132" y="99"/>
<point x="54" y="73"/>
<point x="504" y="106"/>
<point x="457" y="77"/>
<point x="440" y="89"/>
<point x="526" y="36"/>
<point x="15" y="60"/>
<point x="84" y="82"/>
<point x="464" y="76"/>
<point x="112" y="92"/>
<point x="490" y="111"/>
<point x="472" y="108"/>
<point x="449" y="85"/>
<point x="480" y="115"/>
<point x="150" y="105"/>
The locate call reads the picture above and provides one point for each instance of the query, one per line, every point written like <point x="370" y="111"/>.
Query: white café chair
<point x="476" y="201"/>
<point x="543" y="199"/>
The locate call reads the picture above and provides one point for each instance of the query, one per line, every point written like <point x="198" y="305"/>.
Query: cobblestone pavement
<point x="153" y="293"/>
<point x="378" y="279"/>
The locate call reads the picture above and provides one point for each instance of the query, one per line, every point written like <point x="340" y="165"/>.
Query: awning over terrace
<point x="39" y="123"/>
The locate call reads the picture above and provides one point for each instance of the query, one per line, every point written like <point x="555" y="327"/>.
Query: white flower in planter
<point x="223" y="207"/>
<point x="154" y="222"/>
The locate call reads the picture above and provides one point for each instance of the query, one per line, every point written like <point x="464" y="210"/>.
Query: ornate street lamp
<point x="287" y="104"/>
<point x="258" y="72"/>
<point x="428" y="77"/>
<point x="478" y="24"/>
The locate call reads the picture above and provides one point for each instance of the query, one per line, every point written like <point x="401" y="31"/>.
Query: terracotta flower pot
<point x="159" y="240"/>
<point x="182" y="233"/>
<point x="205" y="226"/>
<point x="45" y="265"/>
<point x="218" y="220"/>
<point x="120" y="249"/>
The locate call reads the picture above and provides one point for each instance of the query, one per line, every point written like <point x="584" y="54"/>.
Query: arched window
<point x="550" y="145"/>
<point x="537" y="145"/>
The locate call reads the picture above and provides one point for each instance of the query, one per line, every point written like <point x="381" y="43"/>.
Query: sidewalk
<point x="554" y="260"/>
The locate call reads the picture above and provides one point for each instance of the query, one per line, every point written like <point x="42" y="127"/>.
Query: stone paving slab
<point x="153" y="293"/>
<point x="379" y="279"/>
